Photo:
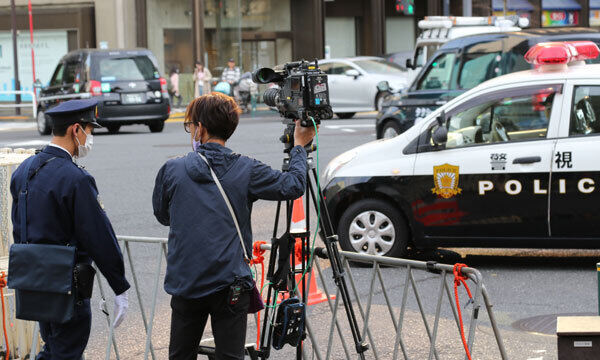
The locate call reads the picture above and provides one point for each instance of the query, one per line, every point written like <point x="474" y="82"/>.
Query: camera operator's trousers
<point x="228" y="322"/>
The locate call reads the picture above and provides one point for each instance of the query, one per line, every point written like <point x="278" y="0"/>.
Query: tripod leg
<point x="330" y="241"/>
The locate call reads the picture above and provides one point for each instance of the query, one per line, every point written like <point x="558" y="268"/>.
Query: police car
<point x="510" y="163"/>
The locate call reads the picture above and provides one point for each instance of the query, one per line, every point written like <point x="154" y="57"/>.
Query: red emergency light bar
<point x="561" y="53"/>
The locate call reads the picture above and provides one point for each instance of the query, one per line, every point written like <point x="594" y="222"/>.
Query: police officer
<point x="64" y="207"/>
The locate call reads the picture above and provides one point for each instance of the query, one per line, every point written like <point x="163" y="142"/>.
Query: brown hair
<point x="217" y="112"/>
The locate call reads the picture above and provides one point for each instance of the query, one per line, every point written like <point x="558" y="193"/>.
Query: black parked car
<point x="462" y="64"/>
<point x="127" y="84"/>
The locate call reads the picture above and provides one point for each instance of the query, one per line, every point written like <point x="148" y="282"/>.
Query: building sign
<point x="49" y="46"/>
<point x="594" y="17"/>
<point x="560" y="18"/>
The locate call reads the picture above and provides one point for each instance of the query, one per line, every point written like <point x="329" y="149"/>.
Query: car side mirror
<point x="409" y="64"/>
<point x="38" y="84"/>
<point x="383" y="86"/>
<point x="441" y="119"/>
<point x="353" y="73"/>
<point x="439" y="135"/>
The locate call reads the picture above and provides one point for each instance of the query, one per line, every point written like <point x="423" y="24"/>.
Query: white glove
<point x="121" y="305"/>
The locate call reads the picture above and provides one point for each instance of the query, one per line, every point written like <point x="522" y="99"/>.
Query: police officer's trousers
<point x="67" y="341"/>
<point x="228" y="323"/>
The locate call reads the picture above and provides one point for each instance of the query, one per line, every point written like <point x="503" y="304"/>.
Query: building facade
<point x="255" y="33"/>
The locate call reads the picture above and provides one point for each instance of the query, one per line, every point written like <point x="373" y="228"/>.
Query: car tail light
<point x="163" y="87"/>
<point x="95" y="88"/>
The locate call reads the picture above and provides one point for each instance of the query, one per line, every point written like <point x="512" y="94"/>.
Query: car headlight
<point x="336" y="164"/>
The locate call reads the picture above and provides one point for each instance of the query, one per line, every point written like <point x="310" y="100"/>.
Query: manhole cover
<point x="543" y="324"/>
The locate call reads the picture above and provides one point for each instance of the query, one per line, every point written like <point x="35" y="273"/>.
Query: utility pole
<point x="13" y="20"/>
<point x="504" y="8"/>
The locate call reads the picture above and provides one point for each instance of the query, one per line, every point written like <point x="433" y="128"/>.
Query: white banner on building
<point x="49" y="46"/>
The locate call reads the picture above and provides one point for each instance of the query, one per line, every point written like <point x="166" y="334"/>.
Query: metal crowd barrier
<point x="376" y="263"/>
<point x="32" y="104"/>
<point x="324" y="323"/>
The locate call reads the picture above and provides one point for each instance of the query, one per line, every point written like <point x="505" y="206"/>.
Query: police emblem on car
<point x="445" y="179"/>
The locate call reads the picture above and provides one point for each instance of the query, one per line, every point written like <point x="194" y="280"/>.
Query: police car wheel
<point x="345" y="115"/>
<point x="373" y="227"/>
<point x="391" y="129"/>
<point x="42" y="123"/>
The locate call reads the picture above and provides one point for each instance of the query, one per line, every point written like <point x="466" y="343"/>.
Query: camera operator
<point x="205" y="259"/>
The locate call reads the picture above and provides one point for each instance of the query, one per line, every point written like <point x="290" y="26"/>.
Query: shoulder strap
<point x="237" y="226"/>
<point x="23" y="197"/>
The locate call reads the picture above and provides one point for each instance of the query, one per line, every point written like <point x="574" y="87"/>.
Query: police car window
<point x="438" y="74"/>
<point x="522" y="117"/>
<point x="479" y="67"/>
<point x="585" y="113"/>
<point x="58" y="76"/>
<point x="127" y="68"/>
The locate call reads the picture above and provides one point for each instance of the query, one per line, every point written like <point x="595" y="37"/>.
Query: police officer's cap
<point x="74" y="111"/>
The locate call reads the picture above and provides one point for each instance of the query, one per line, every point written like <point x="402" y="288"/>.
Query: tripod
<point x="283" y="246"/>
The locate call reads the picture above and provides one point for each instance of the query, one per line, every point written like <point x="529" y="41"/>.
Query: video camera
<point x="303" y="91"/>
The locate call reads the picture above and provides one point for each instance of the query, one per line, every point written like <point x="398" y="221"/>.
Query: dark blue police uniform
<point x="63" y="207"/>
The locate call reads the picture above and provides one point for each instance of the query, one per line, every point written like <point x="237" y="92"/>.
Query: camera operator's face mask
<point x="196" y="143"/>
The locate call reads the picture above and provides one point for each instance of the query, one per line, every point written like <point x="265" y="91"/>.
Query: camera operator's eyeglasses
<point x="187" y="125"/>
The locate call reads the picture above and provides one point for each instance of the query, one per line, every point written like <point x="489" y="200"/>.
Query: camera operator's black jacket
<point x="205" y="254"/>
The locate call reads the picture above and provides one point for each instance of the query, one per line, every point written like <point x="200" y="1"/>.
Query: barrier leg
<point x="475" y="313"/>
<point x="422" y="310"/>
<point x="398" y="341"/>
<point x="111" y="339"/>
<point x="370" y="298"/>
<point x="362" y="313"/>
<point x="488" y="306"/>
<point x="139" y="294"/>
<point x="154" y="296"/>
<point x="333" y="309"/>
<point x="34" y="340"/>
<point x="437" y="314"/>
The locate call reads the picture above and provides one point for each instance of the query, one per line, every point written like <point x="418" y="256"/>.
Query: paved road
<point x="522" y="283"/>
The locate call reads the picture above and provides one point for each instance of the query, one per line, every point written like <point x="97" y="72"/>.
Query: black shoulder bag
<point x="41" y="274"/>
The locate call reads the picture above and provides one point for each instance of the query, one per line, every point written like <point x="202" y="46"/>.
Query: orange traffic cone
<point x="315" y="296"/>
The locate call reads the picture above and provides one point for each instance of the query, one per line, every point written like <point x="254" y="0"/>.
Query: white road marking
<point x="539" y="351"/>
<point x="8" y="126"/>
<point x="27" y="143"/>
<point x="348" y="130"/>
<point x="335" y="127"/>
<point x="537" y="358"/>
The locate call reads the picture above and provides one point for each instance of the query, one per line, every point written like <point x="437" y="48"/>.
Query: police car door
<point x="575" y="196"/>
<point x="490" y="179"/>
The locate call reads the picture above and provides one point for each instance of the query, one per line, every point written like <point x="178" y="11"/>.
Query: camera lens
<point x="270" y="97"/>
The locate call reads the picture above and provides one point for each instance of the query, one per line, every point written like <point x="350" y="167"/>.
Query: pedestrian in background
<point x="202" y="77"/>
<point x="206" y="272"/>
<point x="174" y="79"/>
<point x="232" y="74"/>
<point x="63" y="208"/>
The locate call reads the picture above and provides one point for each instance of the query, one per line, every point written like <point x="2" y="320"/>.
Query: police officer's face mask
<point x="83" y="150"/>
